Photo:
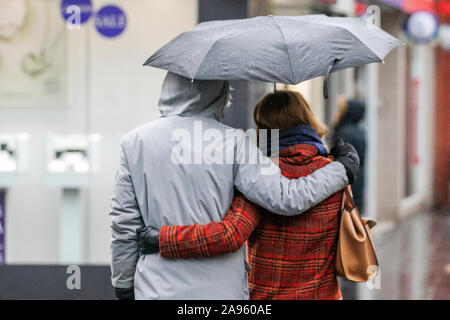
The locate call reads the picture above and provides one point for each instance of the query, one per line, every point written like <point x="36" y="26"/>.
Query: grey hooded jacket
<point x="182" y="169"/>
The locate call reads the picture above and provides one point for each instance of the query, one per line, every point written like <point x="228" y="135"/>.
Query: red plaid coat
<point x="289" y="257"/>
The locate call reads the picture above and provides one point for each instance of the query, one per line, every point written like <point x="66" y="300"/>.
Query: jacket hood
<point x="181" y="96"/>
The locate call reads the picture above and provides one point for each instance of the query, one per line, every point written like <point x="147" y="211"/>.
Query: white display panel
<point x="71" y="159"/>
<point x="13" y="157"/>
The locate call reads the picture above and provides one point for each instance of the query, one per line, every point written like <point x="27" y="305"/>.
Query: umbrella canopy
<point x="283" y="49"/>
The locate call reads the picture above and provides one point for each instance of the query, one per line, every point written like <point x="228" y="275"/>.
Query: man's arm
<point x="126" y="219"/>
<point x="263" y="183"/>
<point x="212" y="239"/>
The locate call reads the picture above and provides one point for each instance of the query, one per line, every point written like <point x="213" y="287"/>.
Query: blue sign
<point x="76" y="11"/>
<point x="110" y="21"/>
<point x="422" y="26"/>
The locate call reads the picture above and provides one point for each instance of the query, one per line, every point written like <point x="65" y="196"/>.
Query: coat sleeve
<point x="261" y="181"/>
<point x="126" y="219"/>
<point x="212" y="239"/>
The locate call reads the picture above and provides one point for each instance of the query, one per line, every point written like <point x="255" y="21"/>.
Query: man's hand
<point x="124" y="293"/>
<point x="148" y="240"/>
<point x="346" y="154"/>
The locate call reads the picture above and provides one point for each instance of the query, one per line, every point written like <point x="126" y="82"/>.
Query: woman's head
<point x="286" y="109"/>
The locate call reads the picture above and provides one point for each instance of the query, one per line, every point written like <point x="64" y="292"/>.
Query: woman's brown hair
<point x="286" y="109"/>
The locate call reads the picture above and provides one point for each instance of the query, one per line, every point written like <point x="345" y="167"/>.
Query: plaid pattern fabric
<point x="290" y="257"/>
<point x="212" y="239"/>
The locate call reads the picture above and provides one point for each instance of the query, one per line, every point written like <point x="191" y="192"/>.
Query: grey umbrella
<point x="284" y="49"/>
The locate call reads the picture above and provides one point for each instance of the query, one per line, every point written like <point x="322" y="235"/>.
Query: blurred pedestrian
<point x="348" y="126"/>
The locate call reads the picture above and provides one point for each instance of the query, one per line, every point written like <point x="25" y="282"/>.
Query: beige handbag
<point x="355" y="258"/>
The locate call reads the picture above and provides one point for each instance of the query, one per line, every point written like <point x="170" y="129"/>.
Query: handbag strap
<point x="347" y="197"/>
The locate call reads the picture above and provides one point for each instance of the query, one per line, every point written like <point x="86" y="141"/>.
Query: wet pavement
<point x="414" y="256"/>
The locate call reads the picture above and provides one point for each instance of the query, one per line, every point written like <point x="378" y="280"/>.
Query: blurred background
<point x="72" y="84"/>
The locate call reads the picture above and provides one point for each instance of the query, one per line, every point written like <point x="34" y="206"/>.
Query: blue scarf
<point x="302" y="134"/>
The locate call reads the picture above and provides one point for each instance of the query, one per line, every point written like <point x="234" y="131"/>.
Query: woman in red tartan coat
<point x="289" y="257"/>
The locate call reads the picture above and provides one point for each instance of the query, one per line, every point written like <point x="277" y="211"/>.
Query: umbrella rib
<point x="204" y="58"/>
<point x="209" y="51"/>
<point x="287" y="49"/>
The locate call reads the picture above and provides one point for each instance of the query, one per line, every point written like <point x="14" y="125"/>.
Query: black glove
<point x="148" y="240"/>
<point x="124" y="293"/>
<point x="346" y="154"/>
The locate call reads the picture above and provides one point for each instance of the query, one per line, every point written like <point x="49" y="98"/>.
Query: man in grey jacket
<point x="167" y="177"/>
